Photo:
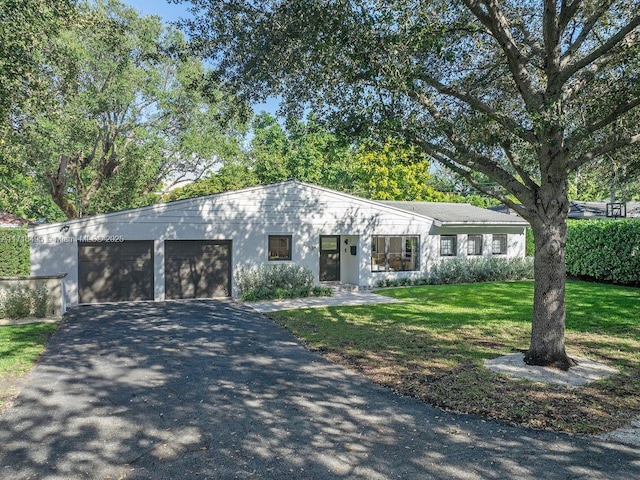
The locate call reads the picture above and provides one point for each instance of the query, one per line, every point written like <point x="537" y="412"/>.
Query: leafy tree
<point x="128" y="112"/>
<point x="523" y="92"/>
<point x="614" y="177"/>
<point x="305" y="151"/>
<point x="27" y="30"/>
<point x="232" y="176"/>
<point x="394" y="172"/>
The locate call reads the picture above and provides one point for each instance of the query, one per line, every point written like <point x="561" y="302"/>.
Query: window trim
<point x="504" y="242"/>
<point x="454" y="249"/>
<point x="476" y="237"/>
<point x="413" y="260"/>
<point x="288" y="238"/>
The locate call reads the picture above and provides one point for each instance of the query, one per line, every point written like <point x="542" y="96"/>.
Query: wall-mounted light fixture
<point x="64" y="228"/>
<point x="346" y="241"/>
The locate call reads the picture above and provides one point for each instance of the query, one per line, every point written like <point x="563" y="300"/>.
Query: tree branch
<point x="496" y="22"/>
<point x="528" y="181"/>
<point x="602" y="150"/>
<point x="620" y="110"/>
<point x="504" y="120"/>
<point x="468" y="175"/>
<point x="602" y="50"/>
<point x="586" y="29"/>
<point x="568" y="10"/>
<point x="551" y="35"/>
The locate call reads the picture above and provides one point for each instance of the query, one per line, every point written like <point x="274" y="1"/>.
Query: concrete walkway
<point x="214" y="390"/>
<point x="339" y="298"/>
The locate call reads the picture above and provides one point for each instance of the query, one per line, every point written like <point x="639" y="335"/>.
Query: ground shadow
<point x="211" y="389"/>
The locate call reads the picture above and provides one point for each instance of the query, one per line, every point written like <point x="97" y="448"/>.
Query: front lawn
<point x="432" y="347"/>
<point x="20" y="346"/>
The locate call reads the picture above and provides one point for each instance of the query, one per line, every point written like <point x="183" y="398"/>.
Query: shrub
<point x="280" y="293"/>
<point x="14" y="252"/>
<point x="272" y="277"/>
<point x="20" y="302"/>
<point x="318" y="291"/>
<point x="466" y="270"/>
<point x="604" y="250"/>
<point x="269" y="282"/>
<point x="469" y="270"/>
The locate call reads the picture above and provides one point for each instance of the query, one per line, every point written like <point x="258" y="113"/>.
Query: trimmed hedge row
<point x="14" y="252"/>
<point x="470" y="270"/>
<point x="604" y="250"/>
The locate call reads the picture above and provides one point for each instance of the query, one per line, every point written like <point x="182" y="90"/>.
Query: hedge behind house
<point x="14" y="252"/>
<point x="530" y="246"/>
<point x="604" y="250"/>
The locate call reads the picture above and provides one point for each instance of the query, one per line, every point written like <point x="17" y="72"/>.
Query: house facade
<point x="192" y="248"/>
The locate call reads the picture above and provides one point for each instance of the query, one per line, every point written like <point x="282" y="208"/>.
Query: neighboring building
<point x="191" y="248"/>
<point x="8" y="220"/>
<point x="604" y="210"/>
<point x="590" y="210"/>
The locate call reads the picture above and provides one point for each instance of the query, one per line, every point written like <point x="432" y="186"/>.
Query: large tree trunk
<point x="548" y="326"/>
<point x="58" y="186"/>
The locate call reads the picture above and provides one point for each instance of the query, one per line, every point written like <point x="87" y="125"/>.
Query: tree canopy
<point x="27" y="30"/>
<point x="125" y="112"/>
<point x="525" y="93"/>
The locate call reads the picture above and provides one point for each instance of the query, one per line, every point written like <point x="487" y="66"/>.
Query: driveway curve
<point x="214" y="390"/>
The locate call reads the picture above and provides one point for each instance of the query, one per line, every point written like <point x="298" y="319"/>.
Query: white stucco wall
<point x="247" y="218"/>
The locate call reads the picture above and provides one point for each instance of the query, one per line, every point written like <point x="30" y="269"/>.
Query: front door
<point x="329" y="258"/>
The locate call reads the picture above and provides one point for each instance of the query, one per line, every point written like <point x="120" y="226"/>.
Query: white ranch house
<point x="191" y="248"/>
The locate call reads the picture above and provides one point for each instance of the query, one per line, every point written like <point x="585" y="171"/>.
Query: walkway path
<point x="339" y="298"/>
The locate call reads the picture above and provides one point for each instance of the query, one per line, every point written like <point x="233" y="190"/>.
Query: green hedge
<point x="14" y="252"/>
<point x="530" y="247"/>
<point x="604" y="250"/>
<point x="469" y="270"/>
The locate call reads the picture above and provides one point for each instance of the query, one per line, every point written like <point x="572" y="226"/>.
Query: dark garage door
<point x="115" y="272"/>
<point x="197" y="268"/>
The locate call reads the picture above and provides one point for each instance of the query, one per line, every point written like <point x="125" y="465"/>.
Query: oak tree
<point x="524" y="92"/>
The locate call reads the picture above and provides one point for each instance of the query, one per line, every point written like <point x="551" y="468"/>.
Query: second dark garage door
<point x="197" y="268"/>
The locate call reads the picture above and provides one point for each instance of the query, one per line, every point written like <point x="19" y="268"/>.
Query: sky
<point x="171" y="12"/>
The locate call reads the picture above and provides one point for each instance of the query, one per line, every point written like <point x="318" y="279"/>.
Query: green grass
<point x="20" y="346"/>
<point x="433" y="344"/>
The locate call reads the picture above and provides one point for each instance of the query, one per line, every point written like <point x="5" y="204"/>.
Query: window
<point x="329" y="243"/>
<point x="394" y="253"/>
<point x="474" y="245"/>
<point x="279" y="247"/>
<point x="499" y="244"/>
<point x="448" y="245"/>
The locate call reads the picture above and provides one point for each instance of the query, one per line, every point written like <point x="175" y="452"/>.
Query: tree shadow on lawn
<point x="443" y="366"/>
<point x="212" y="389"/>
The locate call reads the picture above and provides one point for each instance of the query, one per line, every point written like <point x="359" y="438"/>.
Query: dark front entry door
<point x="329" y="258"/>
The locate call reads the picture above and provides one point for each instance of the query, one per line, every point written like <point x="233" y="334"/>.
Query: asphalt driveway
<point x="208" y="389"/>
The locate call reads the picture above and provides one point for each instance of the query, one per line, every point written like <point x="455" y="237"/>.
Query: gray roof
<point x="456" y="213"/>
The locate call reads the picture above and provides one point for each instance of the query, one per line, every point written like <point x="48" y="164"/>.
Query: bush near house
<point x="470" y="270"/>
<point x="14" y="252"/>
<point x="604" y="250"/>
<point x="21" y="302"/>
<point x="276" y="282"/>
